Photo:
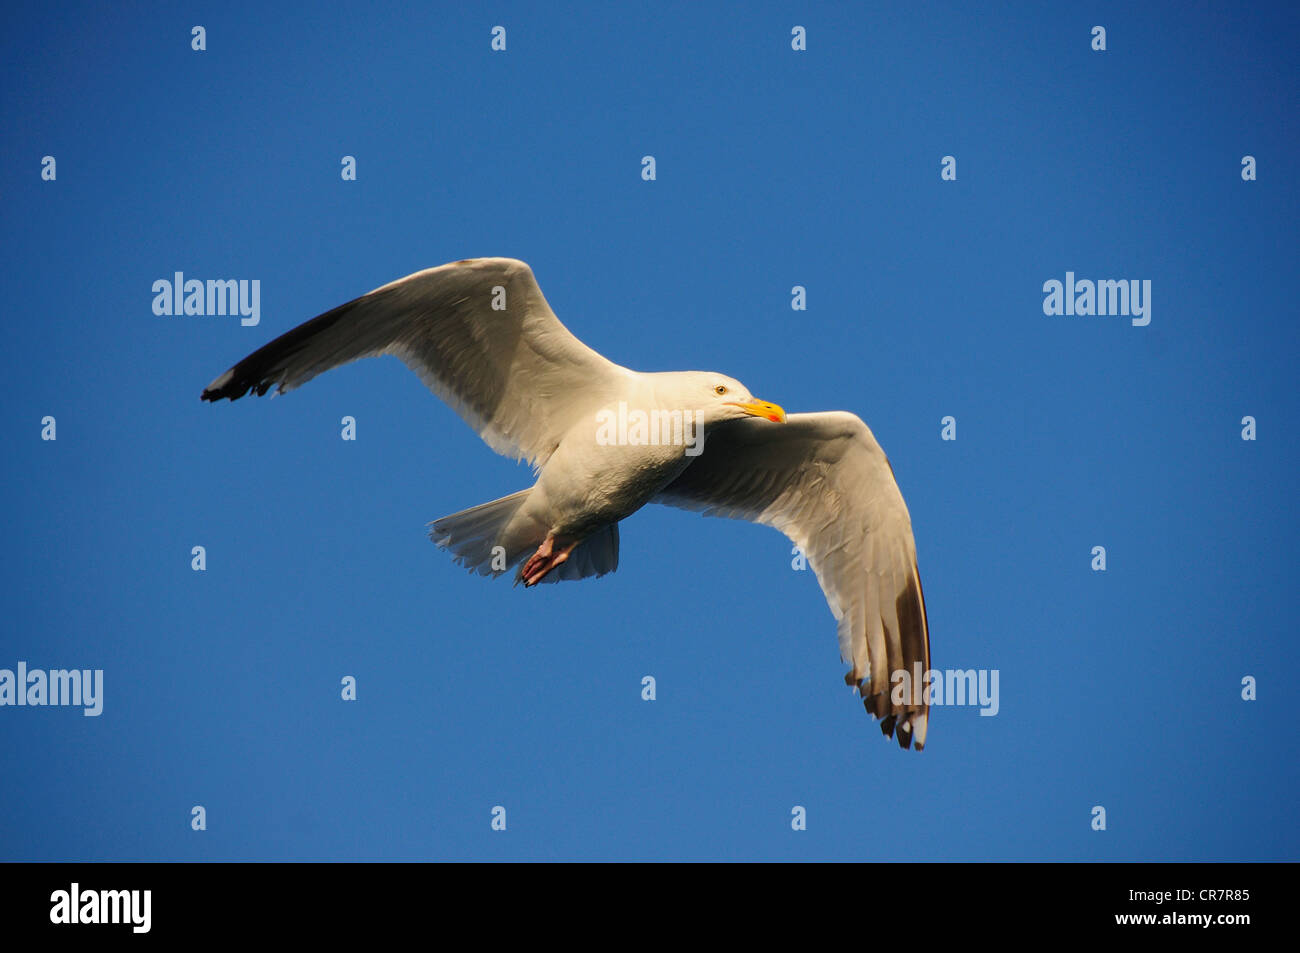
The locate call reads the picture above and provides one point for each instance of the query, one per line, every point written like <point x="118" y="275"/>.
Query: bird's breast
<point x="588" y="484"/>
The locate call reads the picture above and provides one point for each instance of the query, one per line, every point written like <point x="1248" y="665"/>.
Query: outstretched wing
<point x="480" y="335"/>
<point x="824" y="481"/>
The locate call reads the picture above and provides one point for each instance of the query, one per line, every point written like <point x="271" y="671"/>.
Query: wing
<point x="480" y="335"/>
<point x="824" y="481"/>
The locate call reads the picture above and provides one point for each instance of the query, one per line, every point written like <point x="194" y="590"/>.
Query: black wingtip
<point x="889" y="724"/>
<point x="232" y="385"/>
<point x="212" y="395"/>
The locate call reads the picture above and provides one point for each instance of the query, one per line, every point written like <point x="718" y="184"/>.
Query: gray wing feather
<point x="480" y="335"/>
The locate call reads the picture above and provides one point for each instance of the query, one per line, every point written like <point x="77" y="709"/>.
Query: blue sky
<point x="775" y="168"/>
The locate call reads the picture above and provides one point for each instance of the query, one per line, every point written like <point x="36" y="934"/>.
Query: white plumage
<point x="482" y="337"/>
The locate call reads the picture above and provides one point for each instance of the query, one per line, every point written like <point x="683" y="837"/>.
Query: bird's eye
<point x="720" y="389"/>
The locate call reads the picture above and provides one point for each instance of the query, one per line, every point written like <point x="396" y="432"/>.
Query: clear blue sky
<point x="775" y="168"/>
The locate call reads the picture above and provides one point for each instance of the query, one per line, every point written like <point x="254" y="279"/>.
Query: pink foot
<point x="537" y="558"/>
<point x="543" y="561"/>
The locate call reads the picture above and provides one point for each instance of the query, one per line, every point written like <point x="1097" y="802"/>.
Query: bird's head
<point x="716" y="397"/>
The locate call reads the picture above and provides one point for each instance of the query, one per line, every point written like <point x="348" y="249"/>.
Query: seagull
<point x="604" y="441"/>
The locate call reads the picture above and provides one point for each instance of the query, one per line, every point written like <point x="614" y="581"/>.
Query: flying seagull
<point x="605" y="440"/>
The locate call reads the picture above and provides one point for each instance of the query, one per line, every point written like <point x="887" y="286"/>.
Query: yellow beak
<point x="762" y="408"/>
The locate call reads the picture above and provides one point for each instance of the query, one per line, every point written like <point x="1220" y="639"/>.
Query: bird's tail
<point x="489" y="538"/>
<point x="492" y="538"/>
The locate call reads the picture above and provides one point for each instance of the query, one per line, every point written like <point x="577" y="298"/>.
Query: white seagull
<point x="605" y="440"/>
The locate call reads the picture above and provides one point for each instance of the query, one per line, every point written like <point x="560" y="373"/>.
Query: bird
<point x="604" y="441"/>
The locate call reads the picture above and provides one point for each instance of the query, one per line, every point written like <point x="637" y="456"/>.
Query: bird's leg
<point x="542" y="554"/>
<point x="544" y="560"/>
